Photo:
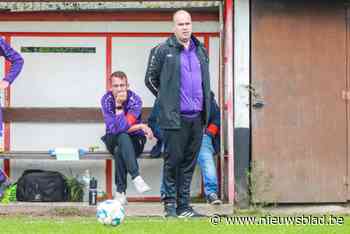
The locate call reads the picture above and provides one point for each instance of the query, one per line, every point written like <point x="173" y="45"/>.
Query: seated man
<point x="125" y="134"/>
<point x="210" y="146"/>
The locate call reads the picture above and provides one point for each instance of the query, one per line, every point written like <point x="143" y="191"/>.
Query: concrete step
<point x="137" y="209"/>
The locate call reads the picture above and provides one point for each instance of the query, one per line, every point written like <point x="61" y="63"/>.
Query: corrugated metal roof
<point x="102" y="5"/>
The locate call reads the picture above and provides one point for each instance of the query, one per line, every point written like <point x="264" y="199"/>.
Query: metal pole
<point x="229" y="81"/>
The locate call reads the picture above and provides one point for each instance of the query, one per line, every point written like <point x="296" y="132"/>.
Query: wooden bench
<point x="44" y="155"/>
<point x="66" y="115"/>
<point x="60" y="115"/>
<point x="97" y="155"/>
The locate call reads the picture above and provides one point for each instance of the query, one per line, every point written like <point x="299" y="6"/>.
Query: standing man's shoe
<point x="189" y="213"/>
<point x="213" y="199"/>
<point x="170" y="210"/>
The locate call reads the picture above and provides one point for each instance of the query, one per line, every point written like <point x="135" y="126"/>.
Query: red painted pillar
<point x="229" y="80"/>
<point x="109" y="167"/>
<point x="6" y="130"/>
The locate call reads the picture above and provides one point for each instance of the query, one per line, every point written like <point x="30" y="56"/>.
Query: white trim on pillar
<point x="241" y="67"/>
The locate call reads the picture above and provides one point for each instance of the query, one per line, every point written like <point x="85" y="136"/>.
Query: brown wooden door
<point x="346" y="92"/>
<point x="298" y="65"/>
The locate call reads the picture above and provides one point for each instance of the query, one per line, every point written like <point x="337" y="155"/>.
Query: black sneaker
<point x="213" y="199"/>
<point x="170" y="210"/>
<point x="189" y="213"/>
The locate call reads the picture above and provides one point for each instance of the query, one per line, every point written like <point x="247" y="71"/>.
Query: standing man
<point x="178" y="75"/>
<point x="209" y="148"/>
<point x="125" y="134"/>
<point x="16" y="61"/>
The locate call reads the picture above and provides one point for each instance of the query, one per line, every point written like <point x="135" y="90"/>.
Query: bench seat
<point x="44" y="155"/>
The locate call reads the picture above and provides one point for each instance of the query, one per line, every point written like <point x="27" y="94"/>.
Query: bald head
<point x="182" y="26"/>
<point x="180" y="13"/>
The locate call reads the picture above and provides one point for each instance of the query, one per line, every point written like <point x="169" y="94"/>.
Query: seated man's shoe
<point x="121" y="197"/>
<point x="213" y="199"/>
<point x="141" y="185"/>
<point x="189" y="213"/>
<point x="170" y="210"/>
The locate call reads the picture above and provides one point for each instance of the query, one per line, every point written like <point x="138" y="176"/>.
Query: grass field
<point x="77" y="225"/>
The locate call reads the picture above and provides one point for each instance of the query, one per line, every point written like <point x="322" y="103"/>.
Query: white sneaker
<point x="121" y="197"/>
<point x="140" y="185"/>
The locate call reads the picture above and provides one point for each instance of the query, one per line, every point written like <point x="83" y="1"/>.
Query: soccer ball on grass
<point x="110" y="212"/>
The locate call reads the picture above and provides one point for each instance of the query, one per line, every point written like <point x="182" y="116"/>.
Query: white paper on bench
<point x="67" y="154"/>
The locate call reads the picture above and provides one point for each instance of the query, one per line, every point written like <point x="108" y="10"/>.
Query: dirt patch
<point x="40" y="210"/>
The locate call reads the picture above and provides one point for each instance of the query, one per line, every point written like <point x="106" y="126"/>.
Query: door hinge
<point x="253" y="91"/>
<point x="345" y="94"/>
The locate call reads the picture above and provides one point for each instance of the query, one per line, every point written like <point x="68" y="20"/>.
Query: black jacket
<point x="163" y="80"/>
<point x="213" y="128"/>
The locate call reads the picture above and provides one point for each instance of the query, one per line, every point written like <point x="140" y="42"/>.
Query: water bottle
<point x="86" y="181"/>
<point x="93" y="192"/>
<point x="52" y="152"/>
<point x="82" y="151"/>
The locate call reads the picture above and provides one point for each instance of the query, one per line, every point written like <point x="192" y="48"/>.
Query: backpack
<point x="42" y="186"/>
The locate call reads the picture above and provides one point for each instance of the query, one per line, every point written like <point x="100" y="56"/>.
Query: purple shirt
<point x="16" y="66"/>
<point x="14" y="58"/>
<point x="120" y="123"/>
<point x="191" y="91"/>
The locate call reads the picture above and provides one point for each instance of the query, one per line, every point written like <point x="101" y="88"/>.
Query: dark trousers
<point x="125" y="149"/>
<point x="182" y="147"/>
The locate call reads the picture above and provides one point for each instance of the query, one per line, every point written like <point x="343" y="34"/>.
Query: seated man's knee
<point x="123" y="137"/>
<point x="123" y="140"/>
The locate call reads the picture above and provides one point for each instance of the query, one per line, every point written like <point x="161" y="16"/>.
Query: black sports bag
<point x="42" y="186"/>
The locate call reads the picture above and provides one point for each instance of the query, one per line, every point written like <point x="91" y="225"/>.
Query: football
<point x="110" y="212"/>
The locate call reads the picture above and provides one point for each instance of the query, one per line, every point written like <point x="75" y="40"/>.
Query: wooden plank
<point x="44" y="155"/>
<point x="61" y="115"/>
<point x="299" y="70"/>
<point x="115" y="15"/>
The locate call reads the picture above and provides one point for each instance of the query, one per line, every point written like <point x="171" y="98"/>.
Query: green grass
<point x="77" y="225"/>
